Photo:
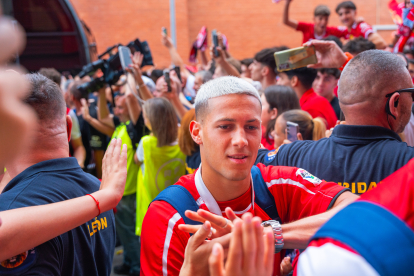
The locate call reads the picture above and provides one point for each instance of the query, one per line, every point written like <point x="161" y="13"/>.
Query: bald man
<point x="367" y="149"/>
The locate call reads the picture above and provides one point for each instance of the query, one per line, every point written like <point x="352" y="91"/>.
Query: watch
<point x="277" y="232"/>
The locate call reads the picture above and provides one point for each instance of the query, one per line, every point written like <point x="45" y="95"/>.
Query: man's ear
<point x="294" y="81"/>
<point x="265" y="70"/>
<point x="273" y="113"/>
<point x="394" y="103"/>
<point x="196" y="132"/>
<point x="68" y="126"/>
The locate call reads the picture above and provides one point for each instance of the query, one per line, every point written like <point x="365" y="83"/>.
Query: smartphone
<point x="292" y="130"/>
<point x="166" y="74"/>
<point x="215" y="42"/>
<point x="125" y="57"/>
<point x="178" y="72"/>
<point x="164" y="30"/>
<point x="295" y="58"/>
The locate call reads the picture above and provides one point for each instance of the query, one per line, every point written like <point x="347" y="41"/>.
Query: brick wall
<point x="250" y="25"/>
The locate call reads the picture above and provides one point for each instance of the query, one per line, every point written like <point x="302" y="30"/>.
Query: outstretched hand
<point x="114" y="171"/>
<point x="221" y="225"/>
<point x="251" y="251"/>
<point x="328" y="53"/>
<point x="198" y="249"/>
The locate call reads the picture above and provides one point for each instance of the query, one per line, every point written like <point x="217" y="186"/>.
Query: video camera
<point x="111" y="67"/>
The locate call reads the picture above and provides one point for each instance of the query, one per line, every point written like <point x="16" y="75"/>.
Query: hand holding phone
<point x="166" y="73"/>
<point x="292" y="130"/>
<point x="178" y="72"/>
<point x="125" y="57"/>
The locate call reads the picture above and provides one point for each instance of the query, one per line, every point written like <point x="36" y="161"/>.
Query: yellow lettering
<point x="353" y="187"/>
<point x="340" y="183"/>
<point x="360" y="185"/>
<point x="372" y="185"/>
<point x="99" y="224"/>
<point x="346" y="185"/>
<point x="94" y="227"/>
<point x="90" y="233"/>
<point x="104" y="223"/>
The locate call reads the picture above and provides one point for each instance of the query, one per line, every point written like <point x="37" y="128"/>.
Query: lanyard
<point x="208" y="198"/>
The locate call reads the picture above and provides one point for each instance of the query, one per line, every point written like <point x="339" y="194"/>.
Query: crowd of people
<point x="198" y="174"/>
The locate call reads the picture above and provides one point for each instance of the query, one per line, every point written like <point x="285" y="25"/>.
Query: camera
<point x="111" y="67"/>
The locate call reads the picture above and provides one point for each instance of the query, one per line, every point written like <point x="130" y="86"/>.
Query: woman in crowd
<point x="309" y="129"/>
<point x="161" y="160"/>
<point x="275" y="100"/>
<point x="187" y="144"/>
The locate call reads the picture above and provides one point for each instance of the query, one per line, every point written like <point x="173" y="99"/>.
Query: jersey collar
<point x="208" y="198"/>
<point x="364" y="132"/>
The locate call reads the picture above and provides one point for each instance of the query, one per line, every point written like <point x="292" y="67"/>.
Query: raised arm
<point x="96" y="124"/>
<point x="286" y="20"/>
<point x="377" y="40"/>
<point x="135" y="70"/>
<point x="104" y="116"/>
<point x="24" y="228"/>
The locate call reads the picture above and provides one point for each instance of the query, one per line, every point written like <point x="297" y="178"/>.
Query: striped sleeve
<point x="325" y="257"/>
<point x="162" y="243"/>
<point x="298" y="194"/>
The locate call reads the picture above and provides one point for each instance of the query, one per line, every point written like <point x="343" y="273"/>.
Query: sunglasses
<point x="408" y="90"/>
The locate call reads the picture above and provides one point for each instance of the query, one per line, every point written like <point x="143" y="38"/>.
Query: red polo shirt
<point x="308" y="30"/>
<point x="318" y="106"/>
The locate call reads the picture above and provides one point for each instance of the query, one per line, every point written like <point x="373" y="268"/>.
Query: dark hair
<point x="358" y="45"/>
<point x="346" y="5"/>
<point x="311" y="129"/>
<point x="74" y="91"/>
<point x="322" y="10"/>
<point x="246" y="61"/>
<point x="51" y="74"/>
<point x="161" y="115"/>
<point x="185" y="141"/>
<point x="156" y="74"/>
<point x="330" y="71"/>
<point x="267" y="58"/>
<point x="45" y="98"/>
<point x="411" y="61"/>
<point x="335" y="39"/>
<point x="305" y="75"/>
<point x="281" y="97"/>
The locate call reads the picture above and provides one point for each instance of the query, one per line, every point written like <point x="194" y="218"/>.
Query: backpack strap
<point x="263" y="198"/>
<point x="181" y="200"/>
<point x="381" y="238"/>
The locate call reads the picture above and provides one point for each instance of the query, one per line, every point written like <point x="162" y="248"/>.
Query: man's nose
<point x="239" y="138"/>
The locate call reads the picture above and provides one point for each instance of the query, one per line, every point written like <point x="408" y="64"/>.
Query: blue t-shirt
<point x="86" y="250"/>
<point x="356" y="157"/>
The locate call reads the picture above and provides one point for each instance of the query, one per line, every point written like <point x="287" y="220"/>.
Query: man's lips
<point x="238" y="158"/>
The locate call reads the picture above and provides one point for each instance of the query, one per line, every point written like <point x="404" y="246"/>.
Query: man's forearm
<point x="178" y="107"/>
<point x="286" y="20"/>
<point x="80" y="154"/>
<point x="230" y="69"/>
<point x="297" y="234"/>
<point x="377" y="40"/>
<point x="99" y="126"/>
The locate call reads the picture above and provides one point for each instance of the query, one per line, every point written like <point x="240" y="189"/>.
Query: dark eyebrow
<point x="233" y="120"/>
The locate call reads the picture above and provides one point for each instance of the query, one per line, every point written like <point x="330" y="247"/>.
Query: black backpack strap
<point x="137" y="131"/>
<point x="181" y="200"/>
<point x="263" y="198"/>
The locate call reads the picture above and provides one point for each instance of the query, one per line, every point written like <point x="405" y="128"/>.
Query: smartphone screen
<point x="215" y="42"/>
<point x="295" y="58"/>
<point x="166" y="74"/>
<point x="292" y="130"/>
<point x="125" y="56"/>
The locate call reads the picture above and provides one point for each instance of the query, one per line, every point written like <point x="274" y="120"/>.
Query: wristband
<point x="348" y="58"/>
<point x="97" y="203"/>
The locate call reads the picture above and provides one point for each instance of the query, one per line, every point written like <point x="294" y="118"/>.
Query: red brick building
<point x="249" y="25"/>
